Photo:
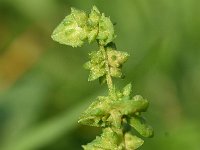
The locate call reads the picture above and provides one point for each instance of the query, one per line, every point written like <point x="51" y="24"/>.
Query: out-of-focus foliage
<point x="43" y="90"/>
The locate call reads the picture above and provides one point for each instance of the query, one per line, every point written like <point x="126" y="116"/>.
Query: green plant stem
<point x="108" y="112"/>
<point x="108" y="75"/>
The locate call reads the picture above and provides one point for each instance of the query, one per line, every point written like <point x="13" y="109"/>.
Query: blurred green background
<point x="43" y="87"/>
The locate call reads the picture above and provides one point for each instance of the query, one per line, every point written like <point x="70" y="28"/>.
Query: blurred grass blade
<point x="49" y="131"/>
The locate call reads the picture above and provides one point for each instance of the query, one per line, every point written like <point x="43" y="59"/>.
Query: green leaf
<point x="115" y="61"/>
<point x="94" y="17"/>
<point x="116" y="72"/>
<point x="93" y="24"/>
<point x="127" y="90"/>
<point x="115" y="118"/>
<point x="72" y="30"/>
<point x="129" y="107"/>
<point x="96" y="65"/>
<point x="116" y="58"/>
<point x="132" y="142"/>
<point x="109" y="140"/>
<point x="106" y="31"/>
<point x="140" y="125"/>
<point x="93" y="116"/>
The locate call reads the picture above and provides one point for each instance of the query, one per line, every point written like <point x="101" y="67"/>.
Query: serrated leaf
<point x="140" y="125"/>
<point x="132" y="142"/>
<point x="72" y="30"/>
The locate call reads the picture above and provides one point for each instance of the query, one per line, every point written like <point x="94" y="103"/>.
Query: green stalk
<point x="118" y="114"/>
<point x="108" y="75"/>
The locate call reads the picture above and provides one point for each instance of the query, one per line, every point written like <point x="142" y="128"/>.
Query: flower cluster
<point x="97" y="63"/>
<point x="78" y="27"/>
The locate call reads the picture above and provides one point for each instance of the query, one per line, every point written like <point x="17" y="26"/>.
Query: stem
<point x="108" y="75"/>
